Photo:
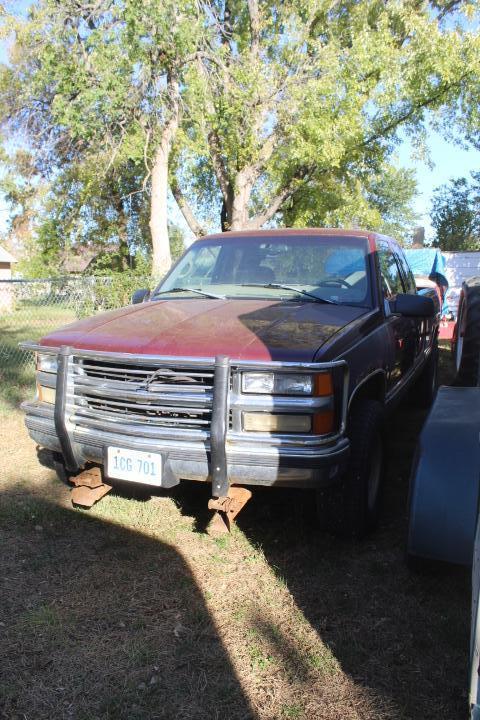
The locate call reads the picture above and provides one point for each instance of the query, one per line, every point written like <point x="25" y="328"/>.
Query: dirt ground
<point x="131" y="611"/>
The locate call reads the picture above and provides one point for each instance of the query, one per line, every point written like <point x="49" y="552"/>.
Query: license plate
<point x="134" y="465"/>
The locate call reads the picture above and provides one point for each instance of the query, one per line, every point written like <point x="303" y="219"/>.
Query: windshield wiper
<point x="192" y="290"/>
<point x="278" y="286"/>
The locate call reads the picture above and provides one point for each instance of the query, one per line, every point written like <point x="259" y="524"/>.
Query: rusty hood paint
<point x="200" y="327"/>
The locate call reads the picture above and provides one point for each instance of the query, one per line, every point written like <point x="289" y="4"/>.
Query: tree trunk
<point x="161" y="257"/>
<point x="235" y="209"/>
<point x="234" y="214"/>
<point x="122" y="225"/>
<point x="226" y="213"/>
<point x="224" y="224"/>
<point x="243" y="190"/>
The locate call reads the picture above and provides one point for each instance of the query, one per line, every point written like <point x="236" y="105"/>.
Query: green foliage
<point x="114" y="291"/>
<point x="456" y="214"/>
<point x="23" y="190"/>
<point x="88" y="88"/>
<point x="115" y="288"/>
<point x="45" y="261"/>
<point x="296" y="116"/>
<point x="177" y="242"/>
<point x="93" y="78"/>
<point x="37" y="266"/>
<point x="374" y="201"/>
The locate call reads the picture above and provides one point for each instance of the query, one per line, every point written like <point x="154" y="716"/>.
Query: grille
<point x="152" y="395"/>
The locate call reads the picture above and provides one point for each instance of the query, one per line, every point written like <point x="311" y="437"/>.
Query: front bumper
<point x="214" y="450"/>
<point x="317" y="467"/>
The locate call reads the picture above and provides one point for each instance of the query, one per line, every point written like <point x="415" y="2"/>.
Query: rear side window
<point x="391" y="279"/>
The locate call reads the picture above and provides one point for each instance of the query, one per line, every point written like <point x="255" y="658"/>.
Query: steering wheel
<point x="335" y="282"/>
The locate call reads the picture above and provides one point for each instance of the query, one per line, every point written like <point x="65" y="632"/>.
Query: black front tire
<point x="351" y="507"/>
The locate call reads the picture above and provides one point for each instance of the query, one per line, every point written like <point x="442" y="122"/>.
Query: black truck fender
<point x="445" y="479"/>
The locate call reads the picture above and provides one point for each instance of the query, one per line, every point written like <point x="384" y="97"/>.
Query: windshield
<point x="315" y="268"/>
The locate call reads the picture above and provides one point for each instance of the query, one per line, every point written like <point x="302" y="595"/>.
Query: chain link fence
<point x="30" y="309"/>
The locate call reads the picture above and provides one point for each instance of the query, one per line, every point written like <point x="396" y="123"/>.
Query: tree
<point x="23" y="192"/>
<point x="81" y="215"/>
<point x="295" y="99"/>
<point x="85" y="211"/>
<point x="79" y="211"/>
<point x="101" y="84"/>
<point x="177" y="242"/>
<point x="456" y="214"/>
<point x="261" y="112"/>
<point x="374" y="201"/>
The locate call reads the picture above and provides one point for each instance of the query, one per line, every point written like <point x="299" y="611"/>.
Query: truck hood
<point x="242" y="329"/>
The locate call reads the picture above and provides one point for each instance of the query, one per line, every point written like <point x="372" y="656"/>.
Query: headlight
<point x="47" y="363"/>
<point x="277" y="384"/>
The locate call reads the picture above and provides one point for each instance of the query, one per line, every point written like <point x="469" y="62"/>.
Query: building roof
<point x="79" y="260"/>
<point x="5" y="256"/>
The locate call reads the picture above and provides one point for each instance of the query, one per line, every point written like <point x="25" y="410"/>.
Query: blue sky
<point x="448" y="161"/>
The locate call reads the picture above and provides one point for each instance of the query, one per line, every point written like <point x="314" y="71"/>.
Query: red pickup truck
<point x="263" y="358"/>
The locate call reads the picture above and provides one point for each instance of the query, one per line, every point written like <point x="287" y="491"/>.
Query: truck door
<point x="403" y="330"/>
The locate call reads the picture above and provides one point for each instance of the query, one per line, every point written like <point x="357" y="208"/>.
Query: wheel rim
<point x="375" y="474"/>
<point x="459" y="343"/>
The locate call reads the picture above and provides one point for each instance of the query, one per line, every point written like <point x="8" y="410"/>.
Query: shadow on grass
<point x="98" y="621"/>
<point x="72" y="650"/>
<point x="403" y="635"/>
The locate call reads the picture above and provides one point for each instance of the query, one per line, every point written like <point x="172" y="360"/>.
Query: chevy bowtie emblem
<point x="160" y="374"/>
<point x="165" y="375"/>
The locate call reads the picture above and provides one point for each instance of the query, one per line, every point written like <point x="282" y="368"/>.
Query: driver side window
<point x="390" y="274"/>
<point x="197" y="268"/>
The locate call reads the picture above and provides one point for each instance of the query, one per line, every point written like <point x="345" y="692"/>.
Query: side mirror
<point x="140" y="296"/>
<point x="413" y="306"/>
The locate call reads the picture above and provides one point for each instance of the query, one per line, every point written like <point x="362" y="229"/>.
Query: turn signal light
<point x="271" y="422"/>
<point x="323" y="423"/>
<point x="323" y="384"/>
<point x="46" y="394"/>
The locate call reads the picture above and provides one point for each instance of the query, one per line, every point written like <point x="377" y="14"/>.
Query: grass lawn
<point x="27" y="322"/>
<point x="130" y="611"/>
